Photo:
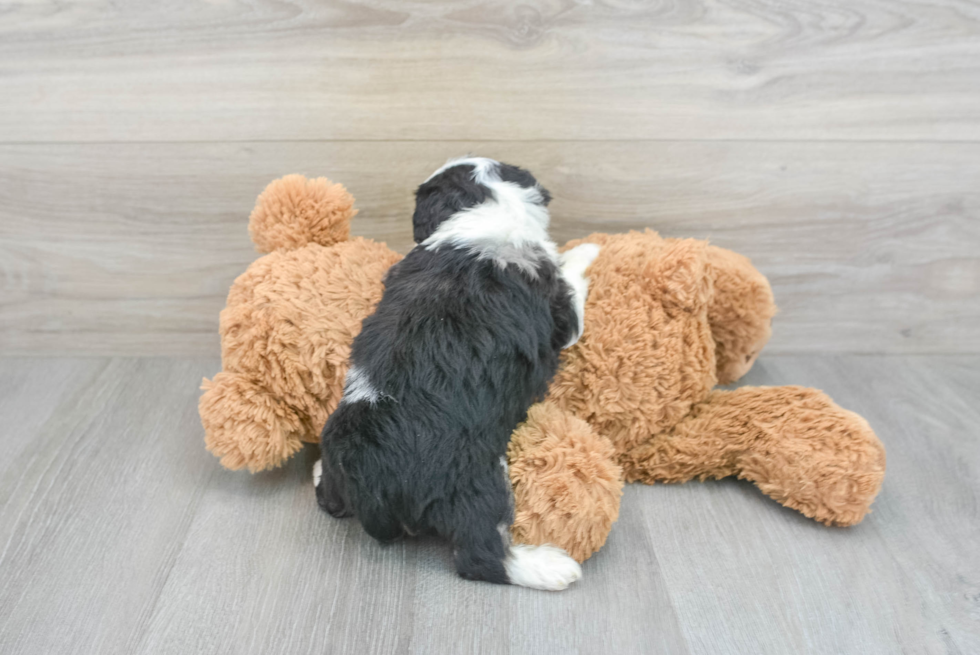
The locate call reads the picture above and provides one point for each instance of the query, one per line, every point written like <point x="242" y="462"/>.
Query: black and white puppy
<point x="464" y="340"/>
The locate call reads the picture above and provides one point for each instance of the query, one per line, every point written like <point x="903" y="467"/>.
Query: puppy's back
<point x="443" y="371"/>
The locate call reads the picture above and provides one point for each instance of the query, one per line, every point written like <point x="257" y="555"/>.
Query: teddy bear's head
<point x="666" y="320"/>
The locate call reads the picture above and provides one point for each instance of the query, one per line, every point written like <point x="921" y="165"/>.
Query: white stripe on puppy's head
<point x="497" y="211"/>
<point x="481" y="167"/>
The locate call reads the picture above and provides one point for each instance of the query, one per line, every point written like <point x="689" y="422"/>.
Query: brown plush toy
<point x="666" y="320"/>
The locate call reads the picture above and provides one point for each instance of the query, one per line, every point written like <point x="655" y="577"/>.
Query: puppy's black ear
<point x="447" y="193"/>
<point x="545" y="195"/>
<point x="523" y="178"/>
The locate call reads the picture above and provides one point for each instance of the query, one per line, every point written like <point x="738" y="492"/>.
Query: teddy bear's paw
<point x="541" y="567"/>
<point x="317" y="472"/>
<point x="246" y="425"/>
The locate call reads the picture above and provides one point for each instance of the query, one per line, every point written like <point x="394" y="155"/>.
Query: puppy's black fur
<point x="455" y="353"/>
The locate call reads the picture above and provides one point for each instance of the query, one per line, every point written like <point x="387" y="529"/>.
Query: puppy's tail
<point x="541" y="567"/>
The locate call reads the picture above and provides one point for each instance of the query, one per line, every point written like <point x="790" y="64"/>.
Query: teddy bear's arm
<point x="740" y="312"/>
<point x="798" y="447"/>
<point x="567" y="484"/>
<point x="248" y="426"/>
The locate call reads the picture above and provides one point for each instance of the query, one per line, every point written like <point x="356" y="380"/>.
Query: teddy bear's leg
<point x="247" y="426"/>
<point x="798" y="447"/>
<point x="740" y="312"/>
<point x="567" y="484"/>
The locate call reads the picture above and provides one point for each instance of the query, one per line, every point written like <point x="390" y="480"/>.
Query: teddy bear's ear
<point x="678" y="276"/>
<point x="294" y="211"/>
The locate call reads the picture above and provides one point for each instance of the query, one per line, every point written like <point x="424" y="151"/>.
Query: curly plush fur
<point x="666" y="320"/>
<point x="289" y="323"/>
<point x="566" y="482"/>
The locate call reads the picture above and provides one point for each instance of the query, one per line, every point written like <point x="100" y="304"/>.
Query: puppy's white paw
<point x="579" y="258"/>
<point x="317" y="472"/>
<point x="541" y="567"/>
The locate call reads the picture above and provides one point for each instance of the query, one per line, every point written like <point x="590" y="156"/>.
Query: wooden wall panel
<point x="489" y="69"/>
<point x="131" y="248"/>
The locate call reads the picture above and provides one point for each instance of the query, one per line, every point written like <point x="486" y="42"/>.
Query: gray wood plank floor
<point x="120" y="534"/>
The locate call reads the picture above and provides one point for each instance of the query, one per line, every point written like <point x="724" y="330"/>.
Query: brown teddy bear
<point x="666" y="320"/>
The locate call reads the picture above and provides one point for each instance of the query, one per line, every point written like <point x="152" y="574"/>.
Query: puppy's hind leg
<point x="317" y="472"/>
<point x="481" y="538"/>
<point x="479" y="551"/>
<point x="544" y="567"/>
<point x="381" y="525"/>
<point x="331" y="488"/>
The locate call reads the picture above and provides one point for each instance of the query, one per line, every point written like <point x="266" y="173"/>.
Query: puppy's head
<point x="469" y="182"/>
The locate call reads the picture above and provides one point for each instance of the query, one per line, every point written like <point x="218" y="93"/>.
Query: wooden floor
<point x="835" y="142"/>
<point x="119" y="535"/>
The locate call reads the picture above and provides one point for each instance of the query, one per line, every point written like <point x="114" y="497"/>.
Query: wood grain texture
<point x="131" y="249"/>
<point x="904" y="580"/>
<point x="264" y="570"/>
<point x="132" y="539"/>
<point x="31" y="391"/>
<point x="489" y="69"/>
<point x="97" y="501"/>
